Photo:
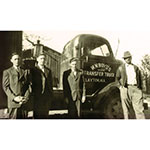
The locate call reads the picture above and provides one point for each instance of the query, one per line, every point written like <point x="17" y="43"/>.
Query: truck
<point x="99" y="66"/>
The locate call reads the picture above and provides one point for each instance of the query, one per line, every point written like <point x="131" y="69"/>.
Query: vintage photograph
<point x="74" y="75"/>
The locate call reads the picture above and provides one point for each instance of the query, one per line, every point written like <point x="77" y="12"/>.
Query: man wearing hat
<point x="129" y="77"/>
<point x="74" y="89"/>
<point x="41" y="88"/>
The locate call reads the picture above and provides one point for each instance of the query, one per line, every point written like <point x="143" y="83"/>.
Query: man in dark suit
<point x="74" y="89"/>
<point x="42" y="88"/>
<point x="129" y="77"/>
<point x="16" y="86"/>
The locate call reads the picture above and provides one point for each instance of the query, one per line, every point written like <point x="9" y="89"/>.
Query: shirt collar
<point x="41" y="67"/>
<point x="16" y="67"/>
<point x="128" y="65"/>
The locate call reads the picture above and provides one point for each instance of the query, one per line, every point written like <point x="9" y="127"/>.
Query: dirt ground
<point x="63" y="113"/>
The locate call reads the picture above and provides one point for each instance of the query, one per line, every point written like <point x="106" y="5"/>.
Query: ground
<point x="62" y="114"/>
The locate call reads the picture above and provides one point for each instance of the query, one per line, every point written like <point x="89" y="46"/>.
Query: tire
<point x="113" y="108"/>
<point x="110" y="106"/>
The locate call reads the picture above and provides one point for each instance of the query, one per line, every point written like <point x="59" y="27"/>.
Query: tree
<point x="145" y="69"/>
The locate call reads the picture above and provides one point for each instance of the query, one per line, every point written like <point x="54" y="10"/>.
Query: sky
<point x="137" y="42"/>
<point x="127" y="21"/>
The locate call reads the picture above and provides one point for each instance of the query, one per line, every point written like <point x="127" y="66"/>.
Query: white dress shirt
<point x="131" y="74"/>
<point x="41" y="67"/>
<point x="17" y="68"/>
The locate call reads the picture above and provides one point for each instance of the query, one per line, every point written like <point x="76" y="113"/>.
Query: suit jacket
<point x="121" y="76"/>
<point x="73" y="87"/>
<point x="15" y="84"/>
<point x="42" y="82"/>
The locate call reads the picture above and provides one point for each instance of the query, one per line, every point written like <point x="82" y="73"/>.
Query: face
<point x="16" y="60"/>
<point x="73" y="65"/>
<point x="41" y="60"/>
<point x="128" y="60"/>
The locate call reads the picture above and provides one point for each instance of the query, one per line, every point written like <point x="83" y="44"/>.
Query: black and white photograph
<point x="74" y="74"/>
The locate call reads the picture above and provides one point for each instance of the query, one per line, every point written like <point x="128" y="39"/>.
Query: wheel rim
<point x="114" y="110"/>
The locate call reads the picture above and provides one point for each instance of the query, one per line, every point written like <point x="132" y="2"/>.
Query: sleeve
<point x="118" y="75"/>
<point x="6" y="85"/>
<point x="27" y="89"/>
<point x="83" y="86"/>
<point x="64" y="85"/>
<point x="50" y="82"/>
<point x="140" y="83"/>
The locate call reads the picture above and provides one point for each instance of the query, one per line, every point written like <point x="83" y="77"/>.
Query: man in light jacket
<point x="129" y="77"/>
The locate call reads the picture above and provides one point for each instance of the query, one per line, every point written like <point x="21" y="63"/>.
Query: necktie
<point x="43" y="80"/>
<point x="42" y="69"/>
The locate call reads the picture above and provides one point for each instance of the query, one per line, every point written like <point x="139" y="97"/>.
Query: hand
<point x="66" y="100"/>
<point x="24" y="100"/>
<point x="18" y="99"/>
<point x="83" y="99"/>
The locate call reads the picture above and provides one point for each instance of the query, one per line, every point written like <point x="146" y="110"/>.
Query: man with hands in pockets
<point x="129" y="78"/>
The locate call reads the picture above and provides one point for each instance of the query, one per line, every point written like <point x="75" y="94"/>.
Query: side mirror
<point x="86" y="58"/>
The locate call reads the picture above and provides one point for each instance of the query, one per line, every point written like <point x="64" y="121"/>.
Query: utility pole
<point x="117" y="47"/>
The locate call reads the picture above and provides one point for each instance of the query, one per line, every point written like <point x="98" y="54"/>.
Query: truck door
<point x="99" y="67"/>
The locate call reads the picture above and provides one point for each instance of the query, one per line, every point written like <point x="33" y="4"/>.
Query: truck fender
<point x="108" y="102"/>
<point x="107" y="90"/>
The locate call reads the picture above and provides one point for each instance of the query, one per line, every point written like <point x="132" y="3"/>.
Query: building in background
<point x="53" y="59"/>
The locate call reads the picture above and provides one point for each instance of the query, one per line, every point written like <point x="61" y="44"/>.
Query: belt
<point x="131" y="84"/>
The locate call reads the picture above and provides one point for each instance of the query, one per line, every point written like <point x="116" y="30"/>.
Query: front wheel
<point x="113" y="108"/>
<point x="110" y="105"/>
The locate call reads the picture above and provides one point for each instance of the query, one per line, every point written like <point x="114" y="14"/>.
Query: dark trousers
<point x="17" y="113"/>
<point x="74" y="109"/>
<point x="41" y="107"/>
<point x="40" y="114"/>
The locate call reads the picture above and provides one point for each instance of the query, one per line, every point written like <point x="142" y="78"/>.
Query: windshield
<point x="87" y="45"/>
<point x="96" y="51"/>
<point x="100" y="51"/>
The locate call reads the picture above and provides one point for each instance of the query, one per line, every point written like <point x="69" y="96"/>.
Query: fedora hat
<point x="127" y="54"/>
